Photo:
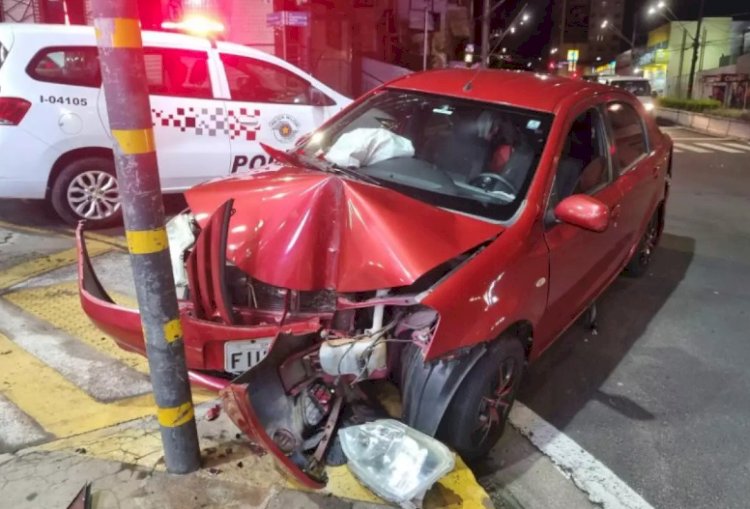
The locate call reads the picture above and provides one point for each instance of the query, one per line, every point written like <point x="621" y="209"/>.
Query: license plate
<point x="239" y="356"/>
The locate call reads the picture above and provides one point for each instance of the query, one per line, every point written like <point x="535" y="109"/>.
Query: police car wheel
<point x="87" y="189"/>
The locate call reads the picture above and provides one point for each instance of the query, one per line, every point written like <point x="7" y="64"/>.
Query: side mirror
<point x="318" y="98"/>
<point x="583" y="211"/>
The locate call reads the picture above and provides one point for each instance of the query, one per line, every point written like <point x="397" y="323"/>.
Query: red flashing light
<point x="12" y="110"/>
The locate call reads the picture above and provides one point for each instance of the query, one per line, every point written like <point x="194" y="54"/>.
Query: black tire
<point x="638" y="264"/>
<point x="68" y="186"/>
<point x="468" y="424"/>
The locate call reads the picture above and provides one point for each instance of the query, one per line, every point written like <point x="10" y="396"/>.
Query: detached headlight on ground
<point x="181" y="238"/>
<point x="397" y="462"/>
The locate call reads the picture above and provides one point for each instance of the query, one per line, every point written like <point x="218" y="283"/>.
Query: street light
<point x="553" y="51"/>
<point x="525" y="17"/>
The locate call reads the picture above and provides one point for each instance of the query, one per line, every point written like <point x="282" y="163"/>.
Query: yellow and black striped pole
<point x="118" y="36"/>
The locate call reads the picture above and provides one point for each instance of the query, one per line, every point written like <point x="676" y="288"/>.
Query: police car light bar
<point x="198" y="25"/>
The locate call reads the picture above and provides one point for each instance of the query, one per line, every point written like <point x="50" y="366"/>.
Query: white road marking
<point x="16" y="428"/>
<point x="740" y="146"/>
<point x="590" y="475"/>
<point x="100" y="376"/>
<point x="691" y="148"/>
<point x="720" y="148"/>
<point x="677" y="150"/>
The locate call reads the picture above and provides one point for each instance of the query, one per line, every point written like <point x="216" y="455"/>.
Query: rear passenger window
<point x="67" y="66"/>
<point x="628" y="133"/>
<point x="178" y="73"/>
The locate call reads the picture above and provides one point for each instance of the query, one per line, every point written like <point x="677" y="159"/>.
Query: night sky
<point x="532" y="40"/>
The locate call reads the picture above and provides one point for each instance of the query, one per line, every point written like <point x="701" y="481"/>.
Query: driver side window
<point x="584" y="164"/>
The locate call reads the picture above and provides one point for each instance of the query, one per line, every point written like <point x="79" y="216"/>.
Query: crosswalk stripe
<point x="84" y="366"/>
<point x="17" y="429"/>
<point x="54" y="402"/>
<point x="720" y="148"/>
<point x="43" y="264"/>
<point x="740" y="146"/>
<point x="691" y="148"/>
<point x="60" y="306"/>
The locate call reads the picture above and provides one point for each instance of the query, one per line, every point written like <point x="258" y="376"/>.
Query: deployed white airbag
<point x="366" y="145"/>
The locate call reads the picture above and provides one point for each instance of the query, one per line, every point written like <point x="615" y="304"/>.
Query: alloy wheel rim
<point x="649" y="241"/>
<point x="495" y="407"/>
<point x="94" y="194"/>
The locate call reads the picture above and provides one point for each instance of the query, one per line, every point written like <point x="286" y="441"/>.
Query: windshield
<point x="468" y="156"/>
<point x="635" y="87"/>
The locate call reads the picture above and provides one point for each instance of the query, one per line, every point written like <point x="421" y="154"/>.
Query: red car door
<point x="581" y="262"/>
<point x="640" y="176"/>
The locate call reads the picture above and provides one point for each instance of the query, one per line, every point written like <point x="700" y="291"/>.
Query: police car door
<point x="268" y="104"/>
<point x="192" y="139"/>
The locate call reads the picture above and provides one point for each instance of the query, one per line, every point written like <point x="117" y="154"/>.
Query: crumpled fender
<point x="429" y="387"/>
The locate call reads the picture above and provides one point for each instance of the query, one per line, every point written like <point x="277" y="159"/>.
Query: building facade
<point x="668" y="56"/>
<point x="579" y="28"/>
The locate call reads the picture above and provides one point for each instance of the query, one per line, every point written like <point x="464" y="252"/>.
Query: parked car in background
<point x="213" y="103"/>
<point x="636" y="85"/>
<point x="441" y="232"/>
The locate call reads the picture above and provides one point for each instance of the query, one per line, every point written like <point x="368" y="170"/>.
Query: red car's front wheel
<point x="476" y="415"/>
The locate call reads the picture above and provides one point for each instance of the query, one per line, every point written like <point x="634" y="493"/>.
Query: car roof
<point x="61" y="35"/>
<point x="82" y="34"/>
<point x="540" y="92"/>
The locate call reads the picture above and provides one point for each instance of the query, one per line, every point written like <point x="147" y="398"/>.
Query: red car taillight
<point x="12" y="110"/>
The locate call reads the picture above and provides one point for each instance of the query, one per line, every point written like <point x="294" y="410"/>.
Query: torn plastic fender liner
<point x="257" y="403"/>
<point x="427" y="388"/>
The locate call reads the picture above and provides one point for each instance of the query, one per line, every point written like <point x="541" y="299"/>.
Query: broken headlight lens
<point x="181" y="238"/>
<point x="397" y="462"/>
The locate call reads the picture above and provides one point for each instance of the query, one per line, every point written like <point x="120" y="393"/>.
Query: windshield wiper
<point x="297" y="158"/>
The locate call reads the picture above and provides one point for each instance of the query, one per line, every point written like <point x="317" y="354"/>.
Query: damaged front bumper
<point x="204" y="340"/>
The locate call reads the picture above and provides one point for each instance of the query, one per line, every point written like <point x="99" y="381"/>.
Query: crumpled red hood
<point x="309" y="230"/>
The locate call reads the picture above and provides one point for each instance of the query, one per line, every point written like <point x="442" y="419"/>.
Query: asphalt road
<point x="662" y="394"/>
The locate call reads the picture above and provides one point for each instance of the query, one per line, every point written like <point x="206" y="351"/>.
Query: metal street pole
<point x="118" y="36"/>
<point x="485" y="32"/>
<point x="696" y="44"/>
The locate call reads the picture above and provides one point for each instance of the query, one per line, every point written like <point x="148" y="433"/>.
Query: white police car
<point x="212" y="104"/>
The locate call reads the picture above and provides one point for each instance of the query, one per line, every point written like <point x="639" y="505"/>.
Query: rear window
<point x="77" y="66"/>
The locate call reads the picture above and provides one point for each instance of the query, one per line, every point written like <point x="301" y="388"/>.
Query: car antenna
<point x="468" y="84"/>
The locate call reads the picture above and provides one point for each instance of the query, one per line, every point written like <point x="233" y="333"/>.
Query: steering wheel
<point x="493" y="182"/>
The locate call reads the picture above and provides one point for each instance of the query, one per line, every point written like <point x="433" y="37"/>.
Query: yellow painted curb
<point x="47" y="263"/>
<point x="59" y="305"/>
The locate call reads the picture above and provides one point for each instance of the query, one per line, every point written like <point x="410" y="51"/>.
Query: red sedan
<point x="441" y="233"/>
